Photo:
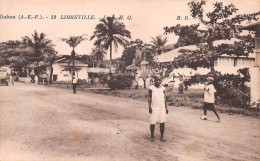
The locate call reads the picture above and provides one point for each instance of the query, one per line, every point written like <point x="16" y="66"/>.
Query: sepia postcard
<point x="129" y="80"/>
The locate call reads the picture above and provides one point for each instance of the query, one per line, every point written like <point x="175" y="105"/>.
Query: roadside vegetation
<point x="192" y="98"/>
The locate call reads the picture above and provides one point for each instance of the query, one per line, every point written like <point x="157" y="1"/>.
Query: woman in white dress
<point x="157" y="107"/>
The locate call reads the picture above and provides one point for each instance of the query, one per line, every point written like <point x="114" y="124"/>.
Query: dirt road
<point x="51" y="124"/>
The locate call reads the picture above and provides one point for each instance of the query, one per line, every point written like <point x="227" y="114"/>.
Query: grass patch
<point x="192" y="98"/>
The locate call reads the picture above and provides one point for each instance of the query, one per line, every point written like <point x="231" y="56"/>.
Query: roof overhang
<point x="251" y="27"/>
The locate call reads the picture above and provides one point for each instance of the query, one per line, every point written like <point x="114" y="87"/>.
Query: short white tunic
<point x="158" y="105"/>
<point x="209" y="96"/>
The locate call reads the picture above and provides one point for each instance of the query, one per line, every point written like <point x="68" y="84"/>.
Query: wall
<point x="226" y="64"/>
<point x="65" y="75"/>
<point x="255" y="72"/>
<point x="62" y="75"/>
<point x="83" y="73"/>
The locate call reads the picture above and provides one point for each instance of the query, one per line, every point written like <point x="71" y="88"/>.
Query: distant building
<point x="224" y="64"/>
<point x="61" y="70"/>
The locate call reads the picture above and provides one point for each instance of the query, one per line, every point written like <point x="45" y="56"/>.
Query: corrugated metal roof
<point x="251" y="27"/>
<point x="171" y="55"/>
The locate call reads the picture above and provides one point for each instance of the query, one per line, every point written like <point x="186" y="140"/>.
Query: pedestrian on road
<point x="74" y="84"/>
<point x="157" y="107"/>
<point x="209" y="99"/>
<point x="36" y="79"/>
<point x="12" y="77"/>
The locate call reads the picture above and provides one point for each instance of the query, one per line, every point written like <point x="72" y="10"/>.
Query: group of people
<point x="158" y="107"/>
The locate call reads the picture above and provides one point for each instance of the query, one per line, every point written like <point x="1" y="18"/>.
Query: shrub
<point x="120" y="81"/>
<point x="233" y="87"/>
<point x="229" y="86"/>
<point x="103" y="79"/>
<point x="181" y="88"/>
<point x="81" y="81"/>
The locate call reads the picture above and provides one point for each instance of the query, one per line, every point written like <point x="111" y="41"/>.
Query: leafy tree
<point x="39" y="45"/>
<point x="110" y="31"/>
<point x="158" y="44"/>
<point x="130" y="54"/>
<point x="73" y="42"/>
<point x="14" y="54"/>
<point x="88" y="59"/>
<point x="50" y="57"/>
<point x="98" y="54"/>
<point x="222" y="23"/>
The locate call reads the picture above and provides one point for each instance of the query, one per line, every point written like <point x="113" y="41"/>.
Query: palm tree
<point x="39" y="44"/>
<point x="98" y="53"/>
<point x="109" y="32"/>
<point x="73" y="42"/>
<point x="158" y="44"/>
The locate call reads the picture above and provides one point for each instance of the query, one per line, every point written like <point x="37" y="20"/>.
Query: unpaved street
<point x="51" y="124"/>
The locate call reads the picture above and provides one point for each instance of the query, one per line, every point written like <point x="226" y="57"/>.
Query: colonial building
<point x="63" y="65"/>
<point x="224" y="64"/>
<point x="255" y="70"/>
<point x="61" y="69"/>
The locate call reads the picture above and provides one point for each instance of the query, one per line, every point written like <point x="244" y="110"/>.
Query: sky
<point x="148" y="18"/>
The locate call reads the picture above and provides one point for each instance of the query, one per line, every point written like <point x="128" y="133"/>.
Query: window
<point x="235" y="62"/>
<point x="55" y="77"/>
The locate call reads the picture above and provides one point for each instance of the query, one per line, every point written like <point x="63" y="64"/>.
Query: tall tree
<point x="130" y="54"/>
<point x="88" y="59"/>
<point x="221" y="23"/>
<point x="49" y="57"/>
<point x="39" y="44"/>
<point x="110" y="31"/>
<point x="74" y="41"/>
<point x="158" y="44"/>
<point x="140" y="56"/>
<point x="98" y="54"/>
<point x="15" y="54"/>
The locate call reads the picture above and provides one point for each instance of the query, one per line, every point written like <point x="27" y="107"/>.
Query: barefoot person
<point x="209" y="99"/>
<point x="157" y="107"/>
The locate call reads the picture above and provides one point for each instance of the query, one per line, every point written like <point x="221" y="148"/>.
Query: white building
<point x="224" y="64"/>
<point x="61" y="73"/>
<point x="255" y="70"/>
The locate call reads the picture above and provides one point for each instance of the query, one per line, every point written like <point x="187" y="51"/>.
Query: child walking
<point x="209" y="99"/>
<point x="157" y="107"/>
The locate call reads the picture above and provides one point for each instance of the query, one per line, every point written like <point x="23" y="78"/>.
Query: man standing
<point x="74" y="83"/>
